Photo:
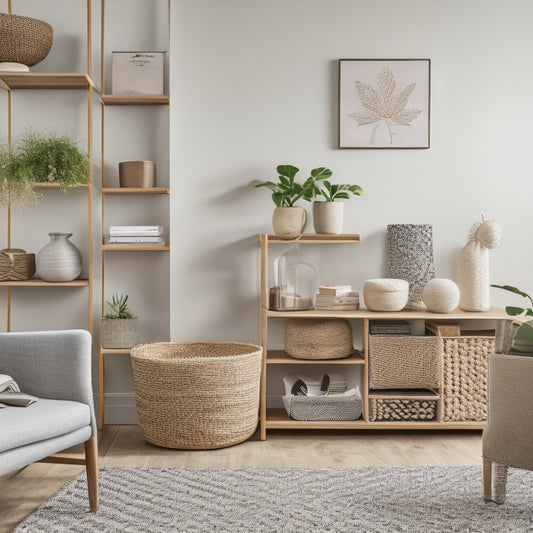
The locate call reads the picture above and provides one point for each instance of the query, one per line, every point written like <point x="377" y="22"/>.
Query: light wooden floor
<point x="122" y="446"/>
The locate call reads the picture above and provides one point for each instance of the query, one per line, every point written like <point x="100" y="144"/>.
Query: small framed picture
<point x="384" y="103"/>
<point x="137" y="73"/>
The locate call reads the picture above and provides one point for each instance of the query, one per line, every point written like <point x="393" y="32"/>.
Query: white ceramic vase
<point x="328" y="217"/>
<point x="58" y="260"/>
<point x="288" y="222"/>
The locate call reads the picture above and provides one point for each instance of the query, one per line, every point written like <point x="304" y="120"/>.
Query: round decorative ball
<point x="441" y="295"/>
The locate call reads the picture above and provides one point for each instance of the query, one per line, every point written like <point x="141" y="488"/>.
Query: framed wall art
<point x="384" y="103"/>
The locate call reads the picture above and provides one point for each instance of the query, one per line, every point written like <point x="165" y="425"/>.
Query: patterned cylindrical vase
<point x="410" y="257"/>
<point x="58" y="260"/>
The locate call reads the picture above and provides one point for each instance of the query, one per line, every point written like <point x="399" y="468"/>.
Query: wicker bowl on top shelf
<point x="24" y="40"/>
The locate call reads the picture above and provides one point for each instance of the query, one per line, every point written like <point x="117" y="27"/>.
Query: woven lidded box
<point x="318" y="338"/>
<point x="385" y="294"/>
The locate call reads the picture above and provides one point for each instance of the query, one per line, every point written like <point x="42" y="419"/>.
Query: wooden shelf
<point x="278" y="419"/>
<point x="316" y="238"/>
<point x="493" y="313"/>
<point x="115" y="351"/>
<point x="35" y="282"/>
<point x="57" y="186"/>
<point x="280" y="357"/>
<point x="41" y="80"/>
<point x="135" y="190"/>
<point x="135" y="248"/>
<point x="112" y="99"/>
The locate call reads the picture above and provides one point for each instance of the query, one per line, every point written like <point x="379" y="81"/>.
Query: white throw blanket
<point x="10" y="393"/>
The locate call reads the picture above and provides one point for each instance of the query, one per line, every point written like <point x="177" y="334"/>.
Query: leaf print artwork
<point x="384" y="103"/>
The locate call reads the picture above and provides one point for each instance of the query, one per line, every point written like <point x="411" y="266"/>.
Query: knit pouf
<point x="410" y="257"/>
<point x="441" y="295"/>
<point x="473" y="265"/>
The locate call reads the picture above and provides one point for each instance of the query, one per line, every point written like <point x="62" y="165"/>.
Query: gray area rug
<point x="359" y="499"/>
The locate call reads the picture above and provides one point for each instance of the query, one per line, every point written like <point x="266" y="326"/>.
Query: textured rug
<point x="361" y="499"/>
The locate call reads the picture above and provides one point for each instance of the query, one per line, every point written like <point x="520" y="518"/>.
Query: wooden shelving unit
<point x="133" y="102"/>
<point x="278" y="418"/>
<point x="15" y="81"/>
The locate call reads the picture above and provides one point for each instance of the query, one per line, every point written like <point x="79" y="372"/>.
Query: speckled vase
<point x="58" y="260"/>
<point x="328" y="217"/>
<point x="410" y="257"/>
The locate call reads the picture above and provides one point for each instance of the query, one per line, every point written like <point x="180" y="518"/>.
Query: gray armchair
<point x="55" y="366"/>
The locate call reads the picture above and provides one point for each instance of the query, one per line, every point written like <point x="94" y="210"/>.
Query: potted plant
<point x="328" y="213"/>
<point x="118" y="327"/>
<point x="288" y="219"/>
<point x="38" y="159"/>
<point x="521" y="335"/>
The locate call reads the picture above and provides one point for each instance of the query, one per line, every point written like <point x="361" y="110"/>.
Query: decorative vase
<point x="473" y="265"/>
<point x="118" y="332"/>
<point x="410" y="257"/>
<point x="328" y="216"/>
<point x="289" y="222"/>
<point x="58" y="260"/>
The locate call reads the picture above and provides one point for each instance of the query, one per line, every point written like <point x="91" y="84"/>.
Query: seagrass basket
<point x="16" y="264"/>
<point x="24" y="40"/>
<point x="197" y="395"/>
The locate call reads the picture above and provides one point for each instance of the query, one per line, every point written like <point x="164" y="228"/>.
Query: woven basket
<point x="24" y="40"/>
<point x="16" y="264"/>
<point x="406" y="362"/>
<point x="464" y="387"/>
<point x="197" y="395"/>
<point x="323" y="407"/>
<point x="328" y="338"/>
<point x="419" y="405"/>
<point x="136" y="174"/>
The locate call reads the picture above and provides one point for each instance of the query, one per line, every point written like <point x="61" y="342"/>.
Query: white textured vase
<point x="289" y="222"/>
<point x="58" y="260"/>
<point x="328" y="217"/>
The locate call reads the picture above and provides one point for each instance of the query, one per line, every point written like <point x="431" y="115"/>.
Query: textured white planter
<point x="288" y="222"/>
<point x="58" y="260"/>
<point x="118" y="332"/>
<point x="328" y="217"/>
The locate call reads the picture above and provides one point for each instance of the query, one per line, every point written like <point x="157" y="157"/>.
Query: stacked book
<point x="135" y="235"/>
<point x="336" y="298"/>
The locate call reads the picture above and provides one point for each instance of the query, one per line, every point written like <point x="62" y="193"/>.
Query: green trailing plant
<point x="287" y="191"/>
<point x="523" y="339"/>
<point x="119" y="307"/>
<point x="36" y="159"/>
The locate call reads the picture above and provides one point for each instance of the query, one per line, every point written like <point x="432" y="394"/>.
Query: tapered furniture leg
<point x="500" y="482"/>
<point x="91" y="466"/>
<point x="487" y="479"/>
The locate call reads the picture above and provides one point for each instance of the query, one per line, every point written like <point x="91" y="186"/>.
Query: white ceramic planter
<point x="328" y="217"/>
<point x="288" y="222"/>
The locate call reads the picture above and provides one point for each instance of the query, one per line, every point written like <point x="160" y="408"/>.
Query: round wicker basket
<point x="197" y="395"/>
<point x="24" y="40"/>
<point x="16" y="264"/>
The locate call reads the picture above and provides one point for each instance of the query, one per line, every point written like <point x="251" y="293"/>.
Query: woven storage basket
<point x="24" y="40"/>
<point x="328" y="338"/>
<point x="136" y="174"/>
<point x="323" y="407"/>
<point x="118" y="332"/>
<point x="197" y="395"/>
<point x="464" y="388"/>
<point x="16" y="264"/>
<point x="417" y="405"/>
<point x="406" y="362"/>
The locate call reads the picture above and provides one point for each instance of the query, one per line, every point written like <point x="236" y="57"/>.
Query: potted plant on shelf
<point x="118" y="328"/>
<point x="37" y="159"/>
<point x="328" y="213"/>
<point x="288" y="219"/>
<point x="519" y="338"/>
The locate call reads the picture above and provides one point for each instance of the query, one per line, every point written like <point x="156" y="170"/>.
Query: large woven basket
<point x="197" y="395"/>
<point x="464" y="387"/>
<point x="328" y="338"/>
<point x="16" y="264"/>
<point x="405" y="362"/>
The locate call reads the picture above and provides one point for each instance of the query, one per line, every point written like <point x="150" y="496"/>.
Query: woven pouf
<point x="316" y="338"/>
<point x="441" y="295"/>
<point x="197" y="395"/>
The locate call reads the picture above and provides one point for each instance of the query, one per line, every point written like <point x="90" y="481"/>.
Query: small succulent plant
<point x="119" y="307"/>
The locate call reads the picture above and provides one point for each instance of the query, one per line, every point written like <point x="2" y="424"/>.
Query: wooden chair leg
<point x="500" y="482"/>
<point x="487" y="480"/>
<point x="91" y="466"/>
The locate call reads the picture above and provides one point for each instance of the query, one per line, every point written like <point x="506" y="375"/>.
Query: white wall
<point x="254" y="84"/>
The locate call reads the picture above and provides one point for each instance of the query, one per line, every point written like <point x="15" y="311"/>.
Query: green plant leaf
<point x="514" y="311"/>
<point x="321" y="173"/>
<point x="511" y="289"/>
<point x="287" y="170"/>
